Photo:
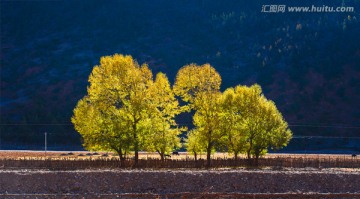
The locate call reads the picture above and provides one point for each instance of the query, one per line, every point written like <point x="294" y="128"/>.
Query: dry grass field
<point x="148" y="155"/>
<point x="60" y="160"/>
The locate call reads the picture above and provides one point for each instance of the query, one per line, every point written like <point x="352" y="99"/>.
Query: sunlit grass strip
<point x="69" y="163"/>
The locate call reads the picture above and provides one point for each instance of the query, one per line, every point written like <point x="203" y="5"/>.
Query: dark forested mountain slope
<point x="308" y="63"/>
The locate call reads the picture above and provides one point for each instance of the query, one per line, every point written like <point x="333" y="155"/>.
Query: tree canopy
<point x="128" y="105"/>
<point x="252" y="122"/>
<point x="127" y="110"/>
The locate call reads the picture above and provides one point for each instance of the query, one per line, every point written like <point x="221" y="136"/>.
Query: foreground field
<point x="29" y="174"/>
<point x="146" y="155"/>
<point x="225" y="183"/>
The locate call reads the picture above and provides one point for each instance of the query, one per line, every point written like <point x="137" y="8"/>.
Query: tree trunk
<point x="136" y="145"/>
<point x="257" y="155"/>
<point x="136" y="155"/>
<point x="121" y="157"/>
<point x="256" y="160"/>
<point x="208" y="156"/>
<point x="162" y="156"/>
<point x="248" y="154"/>
<point x="249" y="150"/>
<point x="236" y="155"/>
<point x="120" y="154"/>
<point x="195" y="156"/>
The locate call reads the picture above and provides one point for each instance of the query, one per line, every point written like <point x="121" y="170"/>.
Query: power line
<point x="42" y="124"/>
<point x="328" y="137"/>
<point x="325" y="126"/>
<point x="295" y="124"/>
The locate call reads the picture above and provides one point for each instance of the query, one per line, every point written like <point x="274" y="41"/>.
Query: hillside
<point x="308" y="63"/>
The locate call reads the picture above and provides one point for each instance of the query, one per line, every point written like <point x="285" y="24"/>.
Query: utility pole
<point x="45" y="143"/>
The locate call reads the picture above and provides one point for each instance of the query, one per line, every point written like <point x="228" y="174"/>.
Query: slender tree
<point x="164" y="132"/>
<point x="194" y="144"/>
<point x="231" y="117"/>
<point x="200" y="87"/>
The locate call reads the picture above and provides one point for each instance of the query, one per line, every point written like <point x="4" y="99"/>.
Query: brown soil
<point x="289" y="183"/>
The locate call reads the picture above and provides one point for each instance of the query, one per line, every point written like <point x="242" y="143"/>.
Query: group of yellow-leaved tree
<point x="127" y="110"/>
